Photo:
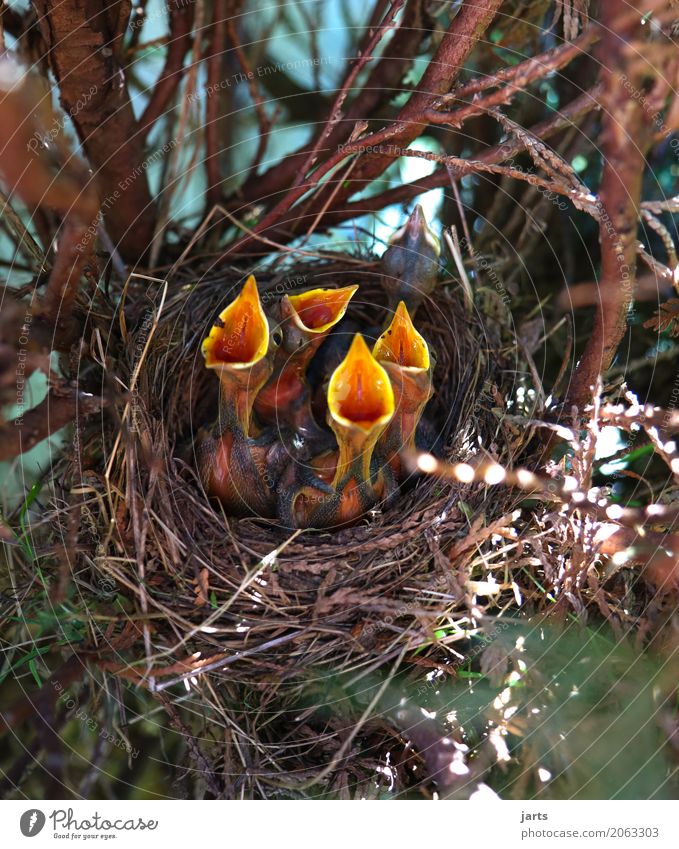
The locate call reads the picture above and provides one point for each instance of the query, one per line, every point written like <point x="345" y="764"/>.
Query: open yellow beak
<point x="359" y="392"/>
<point x="320" y="309"/>
<point x="402" y="344"/>
<point x="240" y="336"/>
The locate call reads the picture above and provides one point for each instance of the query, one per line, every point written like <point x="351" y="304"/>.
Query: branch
<point x="386" y="76"/>
<point x="83" y="44"/>
<point x="60" y="183"/>
<point x="62" y="406"/>
<point x="467" y="27"/>
<point x="181" y="23"/>
<point x="516" y="79"/>
<point x="214" y="68"/>
<point x="625" y="138"/>
<point x="264" y="121"/>
<point x="570" y="114"/>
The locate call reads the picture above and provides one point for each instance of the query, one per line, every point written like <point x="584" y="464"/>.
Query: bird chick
<point x="410" y="263"/>
<point x="360" y="406"/>
<point x="235" y="467"/>
<point x="404" y="355"/>
<point x="305" y="321"/>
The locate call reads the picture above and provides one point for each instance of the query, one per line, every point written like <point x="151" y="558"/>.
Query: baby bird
<point x="410" y="263"/>
<point x="305" y="321"/>
<point x="360" y="406"/>
<point x="236" y="468"/>
<point x="404" y="355"/>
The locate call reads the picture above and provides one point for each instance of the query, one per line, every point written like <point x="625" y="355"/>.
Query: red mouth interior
<point x="402" y="347"/>
<point x="240" y="337"/>
<point x="317" y="309"/>
<point x="362" y="402"/>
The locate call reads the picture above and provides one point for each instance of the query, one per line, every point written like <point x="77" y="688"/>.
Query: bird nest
<point x="247" y="598"/>
<point x="184" y="600"/>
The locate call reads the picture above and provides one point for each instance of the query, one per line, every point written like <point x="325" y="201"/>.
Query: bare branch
<point x="84" y="56"/>
<point x="625" y="138"/>
<point x="62" y="406"/>
<point x="181" y="21"/>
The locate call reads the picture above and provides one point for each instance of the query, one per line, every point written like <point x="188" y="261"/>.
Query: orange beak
<point x="404" y="354"/>
<point x="307" y="320"/>
<point x="359" y="392"/>
<point x="319" y="310"/>
<point x="240" y="336"/>
<point x="236" y="349"/>
<point x="360" y="406"/>
<point x="402" y="344"/>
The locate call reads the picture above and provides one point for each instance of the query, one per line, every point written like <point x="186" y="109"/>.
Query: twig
<point x="565" y="490"/>
<point x="264" y="121"/>
<point x="214" y="66"/>
<point x="582" y="105"/>
<point x="62" y="406"/>
<point x="517" y="78"/>
<point x="181" y="21"/>
<point x="451" y="239"/>
<point x="299" y="186"/>
<point x="466" y="28"/>
<point x="192" y="745"/>
<point x="226" y="660"/>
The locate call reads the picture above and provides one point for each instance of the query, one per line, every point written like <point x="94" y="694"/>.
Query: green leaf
<point x="34" y="672"/>
<point x="23" y="540"/>
<point x="466" y="509"/>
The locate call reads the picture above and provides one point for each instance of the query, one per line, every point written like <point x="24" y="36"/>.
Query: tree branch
<point x="467" y="27"/>
<point x="181" y="22"/>
<point x="625" y="138"/>
<point x="83" y="44"/>
<point x="62" y="406"/>
<point x="566" y="117"/>
<point x="386" y="76"/>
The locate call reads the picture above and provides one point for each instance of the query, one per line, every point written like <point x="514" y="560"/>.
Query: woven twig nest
<point x="245" y="598"/>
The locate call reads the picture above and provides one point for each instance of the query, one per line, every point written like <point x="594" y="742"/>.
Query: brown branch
<point x="75" y="254"/>
<point x="25" y="121"/>
<point x="299" y="187"/>
<point x="466" y="29"/>
<point x="181" y="23"/>
<point x="565" y="490"/>
<point x="517" y="78"/>
<point x="647" y="287"/>
<point x="84" y="44"/>
<point x="570" y="114"/>
<point x="214" y="70"/>
<point x="62" y="406"/>
<point x="265" y="122"/>
<point x="336" y="110"/>
<point x="625" y="137"/>
<point x="202" y="763"/>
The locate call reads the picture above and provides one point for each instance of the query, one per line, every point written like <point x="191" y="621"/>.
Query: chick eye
<point x="277" y="337"/>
